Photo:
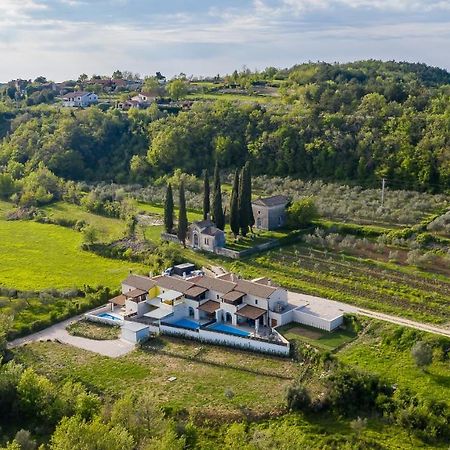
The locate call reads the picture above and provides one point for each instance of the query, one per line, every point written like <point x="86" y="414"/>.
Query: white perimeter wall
<point x="226" y="339"/>
<point x="317" y="322"/>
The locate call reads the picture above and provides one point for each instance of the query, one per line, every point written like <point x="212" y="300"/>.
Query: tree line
<point x="354" y="123"/>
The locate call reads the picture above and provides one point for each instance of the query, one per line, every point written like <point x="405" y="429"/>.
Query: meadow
<point x="203" y="374"/>
<point x="108" y="228"/>
<point x="37" y="256"/>
<point x="386" y="350"/>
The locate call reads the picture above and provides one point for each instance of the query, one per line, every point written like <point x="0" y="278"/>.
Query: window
<point x="206" y="241"/>
<point x="256" y="301"/>
<point x="259" y="212"/>
<point x="217" y="296"/>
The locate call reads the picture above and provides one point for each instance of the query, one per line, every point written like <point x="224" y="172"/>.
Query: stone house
<point x="270" y="212"/>
<point x="204" y="235"/>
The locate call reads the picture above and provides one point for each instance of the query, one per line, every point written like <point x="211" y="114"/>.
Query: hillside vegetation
<point x="355" y="122"/>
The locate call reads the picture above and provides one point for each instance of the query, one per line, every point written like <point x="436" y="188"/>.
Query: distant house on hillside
<point x="270" y="212"/>
<point x="79" y="99"/>
<point x="144" y="98"/>
<point x="204" y="235"/>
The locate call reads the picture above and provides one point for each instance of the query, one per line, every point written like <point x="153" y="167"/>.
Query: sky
<point x="61" y="39"/>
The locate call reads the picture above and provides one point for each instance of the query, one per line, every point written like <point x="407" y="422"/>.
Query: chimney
<point x="269" y="282"/>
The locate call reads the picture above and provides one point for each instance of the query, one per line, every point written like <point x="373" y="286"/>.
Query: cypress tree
<point x="217" y="208"/>
<point x="234" y="206"/>
<point x="206" y="191"/>
<point x="248" y="192"/>
<point x="242" y="202"/>
<point x="168" y="210"/>
<point x="182" y="217"/>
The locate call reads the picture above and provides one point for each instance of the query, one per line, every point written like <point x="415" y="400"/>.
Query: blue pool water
<point x="228" y="329"/>
<point x="110" y="317"/>
<point x="186" y="323"/>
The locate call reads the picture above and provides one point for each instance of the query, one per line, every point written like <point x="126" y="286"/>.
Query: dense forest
<point x="353" y="123"/>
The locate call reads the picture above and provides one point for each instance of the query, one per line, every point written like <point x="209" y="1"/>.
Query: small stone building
<point x="270" y="212"/>
<point x="204" y="235"/>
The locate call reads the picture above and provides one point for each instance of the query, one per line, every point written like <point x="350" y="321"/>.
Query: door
<point x="195" y="240"/>
<point x="273" y="323"/>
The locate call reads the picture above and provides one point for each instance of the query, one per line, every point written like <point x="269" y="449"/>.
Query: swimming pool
<point x="228" y="329"/>
<point x="110" y="317"/>
<point x="186" y="323"/>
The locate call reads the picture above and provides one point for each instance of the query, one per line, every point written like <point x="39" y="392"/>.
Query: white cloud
<point x="19" y="8"/>
<point x="383" y="5"/>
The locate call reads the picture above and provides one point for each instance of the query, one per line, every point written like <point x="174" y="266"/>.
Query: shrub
<point x="422" y="354"/>
<point x="301" y="213"/>
<point x="297" y="397"/>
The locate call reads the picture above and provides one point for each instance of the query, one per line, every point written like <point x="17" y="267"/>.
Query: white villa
<point x="79" y="99"/>
<point x="224" y="309"/>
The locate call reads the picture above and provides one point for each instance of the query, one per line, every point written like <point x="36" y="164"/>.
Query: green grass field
<point x="203" y="373"/>
<point x="109" y="228"/>
<point x="320" y="339"/>
<point x="234" y="97"/>
<point x="396" y="365"/>
<point x="37" y="256"/>
<point x="159" y="211"/>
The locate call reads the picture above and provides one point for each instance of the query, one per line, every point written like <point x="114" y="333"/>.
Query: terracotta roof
<point x="119" y="300"/>
<point x="256" y="289"/>
<point x="139" y="282"/>
<point x="251" y="312"/>
<point x="210" y="306"/>
<point x="195" y="291"/>
<point x="272" y="201"/>
<point x="233" y="296"/>
<point x="135" y="293"/>
<point x="214" y="284"/>
<point x="175" y="284"/>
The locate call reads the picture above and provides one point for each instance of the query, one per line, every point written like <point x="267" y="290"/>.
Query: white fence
<point x="216" y="337"/>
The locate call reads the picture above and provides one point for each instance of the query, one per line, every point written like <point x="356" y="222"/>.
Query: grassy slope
<point x="371" y="354"/>
<point x="37" y="256"/>
<point x="201" y="380"/>
<point x="109" y="228"/>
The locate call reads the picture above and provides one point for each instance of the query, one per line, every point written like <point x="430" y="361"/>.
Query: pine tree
<point x="242" y="203"/>
<point x="234" y="206"/>
<point x="248" y="191"/>
<point x="168" y="210"/>
<point x="206" y="191"/>
<point x="182" y="217"/>
<point x="217" y="208"/>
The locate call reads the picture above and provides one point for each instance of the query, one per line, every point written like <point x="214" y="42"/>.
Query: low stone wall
<point x="216" y="337"/>
<point x="170" y="237"/>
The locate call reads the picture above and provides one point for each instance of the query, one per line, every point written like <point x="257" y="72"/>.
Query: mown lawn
<point x="109" y="228"/>
<point x="372" y="354"/>
<point x="321" y="339"/>
<point x="203" y="373"/>
<point x="37" y="256"/>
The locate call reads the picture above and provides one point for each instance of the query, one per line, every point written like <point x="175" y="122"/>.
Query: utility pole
<point x="383" y="186"/>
